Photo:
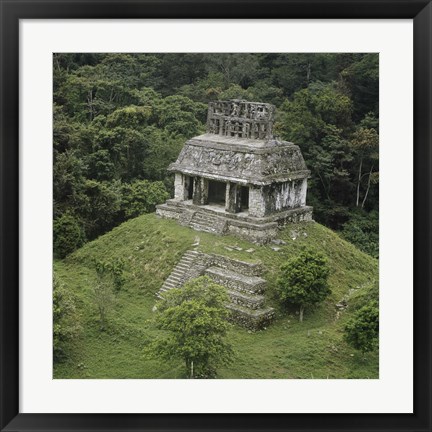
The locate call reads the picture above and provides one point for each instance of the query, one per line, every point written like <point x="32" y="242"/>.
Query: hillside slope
<point x="287" y="349"/>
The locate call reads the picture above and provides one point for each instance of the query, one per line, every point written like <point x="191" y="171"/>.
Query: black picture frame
<point x="14" y="10"/>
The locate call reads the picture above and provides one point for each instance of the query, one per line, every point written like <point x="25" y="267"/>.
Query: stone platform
<point x="242" y="280"/>
<point x="214" y="219"/>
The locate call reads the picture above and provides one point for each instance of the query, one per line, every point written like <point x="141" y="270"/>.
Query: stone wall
<point x="257" y="204"/>
<point x="284" y="196"/>
<point x="252" y="233"/>
<point x="245" y="268"/>
<point x="277" y="197"/>
<point x="251" y="320"/>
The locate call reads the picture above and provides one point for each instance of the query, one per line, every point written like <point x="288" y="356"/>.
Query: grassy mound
<point x="287" y="349"/>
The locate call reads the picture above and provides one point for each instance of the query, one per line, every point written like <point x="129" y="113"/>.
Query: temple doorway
<point x="190" y="188"/>
<point x="216" y="192"/>
<point x="244" y="198"/>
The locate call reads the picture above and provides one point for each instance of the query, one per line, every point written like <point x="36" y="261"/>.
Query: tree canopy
<point x="303" y="280"/>
<point x="194" y="319"/>
<point x="362" y="330"/>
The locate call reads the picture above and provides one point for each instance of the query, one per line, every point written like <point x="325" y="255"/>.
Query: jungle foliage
<point x="120" y="119"/>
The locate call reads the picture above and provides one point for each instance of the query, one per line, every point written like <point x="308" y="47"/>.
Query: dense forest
<point x="121" y="119"/>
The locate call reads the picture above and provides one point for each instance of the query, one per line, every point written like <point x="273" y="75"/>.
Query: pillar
<point x="232" y="198"/>
<point x="200" y="191"/>
<point x="303" y="192"/>
<point x="257" y="207"/>
<point x="181" y="187"/>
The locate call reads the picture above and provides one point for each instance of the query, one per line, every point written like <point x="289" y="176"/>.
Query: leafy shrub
<point x="142" y="196"/>
<point x="362" y="330"/>
<point x="109" y="279"/>
<point x="68" y="235"/>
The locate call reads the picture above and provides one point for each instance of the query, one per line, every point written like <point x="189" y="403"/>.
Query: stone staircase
<point x="208" y="222"/>
<point x="181" y="272"/>
<point x="244" y="287"/>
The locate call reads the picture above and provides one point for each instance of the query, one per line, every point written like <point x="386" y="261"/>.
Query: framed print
<point x="215" y="215"/>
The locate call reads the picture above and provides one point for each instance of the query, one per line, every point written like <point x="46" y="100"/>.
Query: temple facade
<point x="237" y="178"/>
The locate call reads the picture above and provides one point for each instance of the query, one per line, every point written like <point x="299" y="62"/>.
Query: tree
<point x="237" y="68"/>
<point x="365" y="143"/>
<point x="362" y="78"/>
<point x="101" y="213"/>
<point x="65" y="319"/>
<point x="362" y="231"/>
<point x="362" y="330"/>
<point x="318" y="119"/>
<point x="292" y="72"/>
<point x="303" y="280"/>
<point x="180" y="115"/>
<point x="195" y="319"/>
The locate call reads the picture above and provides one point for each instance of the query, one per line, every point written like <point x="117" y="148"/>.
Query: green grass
<point x="286" y="349"/>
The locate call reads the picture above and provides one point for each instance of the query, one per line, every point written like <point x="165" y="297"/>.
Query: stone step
<point x="203" y="220"/>
<point x="170" y="282"/>
<point x="190" y="255"/>
<point x="181" y="271"/>
<point x="237" y="281"/>
<point x="182" y="267"/>
<point x="252" y="319"/>
<point x="187" y="259"/>
<point x="205" y="228"/>
<point x="252" y="301"/>
<point x="204" y="215"/>
<point x="175" y="279"/>
<point x="211" y="223"/>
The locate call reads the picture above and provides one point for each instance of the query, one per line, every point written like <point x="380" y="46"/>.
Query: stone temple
<point x="237" y="178"/>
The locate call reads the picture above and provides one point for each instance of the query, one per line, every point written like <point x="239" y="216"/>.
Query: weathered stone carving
<point x="240" y="119"/>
